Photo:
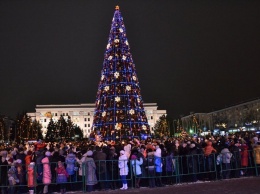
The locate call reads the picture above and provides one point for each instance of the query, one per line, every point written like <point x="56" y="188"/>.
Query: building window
<point x="88" y="113"/>
<point x="85" y="119"/>
<point x="56" y="114"/>
<point x="151" y="117"/>
<point x="63" y="114"/>
<point x="44" y="120"/>
<point x="85" y="125"/>
<point x="88" y="119"/>
<point x="67" y="114"/>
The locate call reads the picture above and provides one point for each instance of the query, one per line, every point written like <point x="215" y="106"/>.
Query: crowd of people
<point x="101" y="165"/>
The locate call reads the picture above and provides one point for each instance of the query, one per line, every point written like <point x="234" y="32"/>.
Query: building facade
<point x="237" y="118"/>
<point x="82" y="115"/>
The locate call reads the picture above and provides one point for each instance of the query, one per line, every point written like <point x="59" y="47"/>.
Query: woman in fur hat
<point x="89" y="170"/>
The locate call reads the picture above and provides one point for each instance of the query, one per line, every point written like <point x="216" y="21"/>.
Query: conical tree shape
<point x="119" y="109"/>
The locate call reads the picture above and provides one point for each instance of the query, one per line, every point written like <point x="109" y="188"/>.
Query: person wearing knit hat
<point x="48" y="153"/>
<point x="89" y="153"/>
<point x="123" y="168"/>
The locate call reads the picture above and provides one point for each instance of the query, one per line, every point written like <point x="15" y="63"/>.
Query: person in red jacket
<point x="62" y="176"/>
<point x="31" y="180"/>
<point x="28" y="158"/>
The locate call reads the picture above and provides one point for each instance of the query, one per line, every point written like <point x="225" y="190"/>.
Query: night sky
<point x="195" y="56"/>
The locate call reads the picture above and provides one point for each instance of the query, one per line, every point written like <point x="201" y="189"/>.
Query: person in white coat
<point x="123" y="168"/>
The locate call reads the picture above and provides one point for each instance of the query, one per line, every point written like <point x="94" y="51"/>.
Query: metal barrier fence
<point x="154" y="172"/>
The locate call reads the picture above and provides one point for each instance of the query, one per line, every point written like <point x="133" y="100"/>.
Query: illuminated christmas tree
<point x="119" y="109"/>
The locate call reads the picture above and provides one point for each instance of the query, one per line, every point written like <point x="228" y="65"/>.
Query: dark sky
<point x="190" y="55"/>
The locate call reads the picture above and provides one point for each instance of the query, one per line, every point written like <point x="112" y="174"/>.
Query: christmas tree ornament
<point x="116" y="74"/>
<point x="104" y="114"/>
<point x="128" y="88"/>
<point x="117" y="99"/>
<point x="106" y="88"/>
<point x="131" y="112"/>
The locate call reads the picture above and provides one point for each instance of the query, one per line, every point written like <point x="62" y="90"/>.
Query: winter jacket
<point x="39" y="165"/>
<point x="226" y="155"/>
<point x="169" y="163"/>
<point x="28" y="159"/>
<point x="122" y="165"/>
<point x="158" y="164"/>
<point x="100" y="160"/>
<point x="244" y="155"/>
<point x="31" y="176"/>
<point x="257" y="154"/>
<point x="46" y="171"/>
<point x="70" y="162"/>
<point x="209" y="149"/>
<point x="62" y="175"/>
<point x="89" y="171"/>
<point x="136" y="164"/>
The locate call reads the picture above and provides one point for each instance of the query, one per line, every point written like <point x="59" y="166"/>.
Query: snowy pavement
<point x="245" y="185"/>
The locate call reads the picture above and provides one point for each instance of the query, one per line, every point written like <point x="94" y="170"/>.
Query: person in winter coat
<point x="21" y="175"/>
<point x="31" y="178"/>
<point x="209" y="149"/>
<point x="62" y="177"/>
<point x="193" y="161"/>
<point x="150" y="167"/>
<point x="169" y="164"/>
<point x="100" y="160"/>
<point x="136" y="164"/>
<point x="123" y="168"/>
<point x="39" y="166"/>
<point x="46" y="180"/>
<point x="54" y="159"/>
<point x="158" y="165"/>
<point x="226" y="158"/>
<point x="257" y="153"/>
<point x="209" y="159"/>
<point x="89" y="171"/>
<point x="112" y="167"/>
<point x="12" y="179"/>
<point x="244" y="157"/>
<point x="70" y="167"/>
<point x="28" y="158"/>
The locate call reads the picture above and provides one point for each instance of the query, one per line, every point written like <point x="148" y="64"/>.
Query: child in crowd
<point x="62" y="177"/>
